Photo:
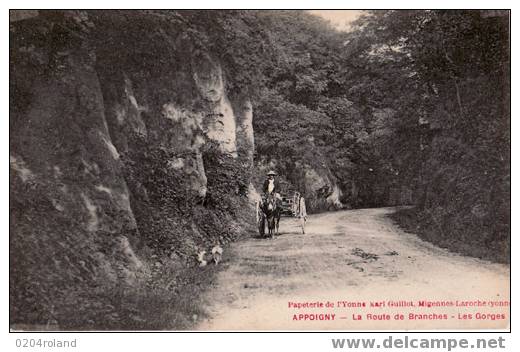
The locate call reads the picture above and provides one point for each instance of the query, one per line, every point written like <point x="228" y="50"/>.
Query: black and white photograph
<point x="259" y="170"/>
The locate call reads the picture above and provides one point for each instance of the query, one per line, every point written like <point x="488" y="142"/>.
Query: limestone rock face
<point x="244" y="129"/>
<point x="62" y="146"/>
<point x="320" y="188"/>
<point x="105" y="147"/>
<point x="18" y="15"/>
<point x="219" y="123"/>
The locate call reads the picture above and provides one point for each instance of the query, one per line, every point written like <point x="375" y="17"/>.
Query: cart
<point x="293" y="205"/>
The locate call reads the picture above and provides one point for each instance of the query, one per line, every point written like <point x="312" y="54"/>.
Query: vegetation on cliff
<point x="410" y="107"/>
<point x="115" y="184"/>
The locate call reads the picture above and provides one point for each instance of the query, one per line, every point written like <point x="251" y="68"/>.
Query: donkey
<point x="272" y="211"/>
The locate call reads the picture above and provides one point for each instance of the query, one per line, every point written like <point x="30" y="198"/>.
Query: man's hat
<point x="271" y="173"/>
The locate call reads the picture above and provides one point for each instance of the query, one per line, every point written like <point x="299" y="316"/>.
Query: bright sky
<point x="341" y="19"/>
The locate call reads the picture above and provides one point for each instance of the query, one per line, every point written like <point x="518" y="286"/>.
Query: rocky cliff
<point x="126" y="152"/>
<point x="308" y="173"/>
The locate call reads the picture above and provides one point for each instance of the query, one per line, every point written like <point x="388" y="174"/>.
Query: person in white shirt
<point x="271" y="184"/>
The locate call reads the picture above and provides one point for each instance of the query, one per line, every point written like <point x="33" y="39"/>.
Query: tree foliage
<point x="409" y="107"/>
<point x="448" y="83"/>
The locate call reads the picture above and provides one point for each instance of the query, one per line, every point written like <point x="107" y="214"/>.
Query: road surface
<point x="353" y="270"/>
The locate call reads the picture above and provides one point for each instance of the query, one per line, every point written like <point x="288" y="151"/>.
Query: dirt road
<point x="348" y="259"/>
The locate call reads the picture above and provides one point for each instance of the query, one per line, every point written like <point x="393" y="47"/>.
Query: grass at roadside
<point x="465" y="241"/>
